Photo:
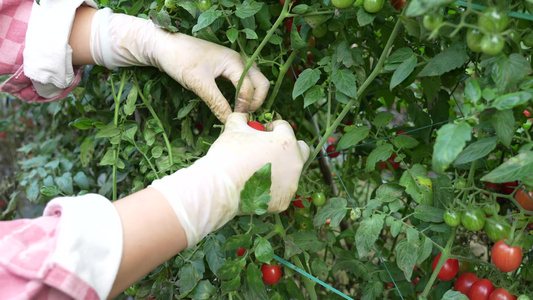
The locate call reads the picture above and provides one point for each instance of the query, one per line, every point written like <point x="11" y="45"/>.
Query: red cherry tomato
<point x="464" y="282"/>
<point x="491" y="187"/>
<point x="3" y="135"/>
<point x="481" y="290"/>
<point x="256" y="125"/>
<point x="240" y="251"/>
<point x="501" y="294"/>
<point x="283" y="1"/>
<point x="448" y="270"/>
<point x="332" y="151"/>
<point x="525" y="199"/>
<point x="271" y="274"/>
<point x="288" y="25"/>
<point x="509" y="187"/>
<point x="397" y="4"/>
<point x="395" y="165"/>
<point x="506" y="258"/>
<point x="298" y="202"/>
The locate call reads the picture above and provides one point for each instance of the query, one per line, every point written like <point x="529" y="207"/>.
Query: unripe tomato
<point x="501" y="294"/>
<point x="473" y="39"/>
<point x="320" y="30"/>
<point x="256" y="125"/>
<point x="432" y="21"/>
<point x="460" y="183"/>
<point x="398" y="4"/>
<point x="203" y="5"/>
<point x="497" y="228"/>
<point x="452" y="218"/>
<point x="492" y="44"/>
<point x="528" y="40"/>
<point x="271" y="274"/>
<point x="506" y="258"/>
<point x="319" y="199"/>
<point x="342" y="3"/>
<point x="525" y="199"/>
<point x="493" y="20"/>
<point x="523" y="297"/>
<point x="448" y="270"/>
<point x="474" y="219"/>
<point x="491" y="208"/>
<point x="464" y="282"/>
<point x="332" y="151"/>
<point x="481" y="290"/>
<point x="373" y="6"/>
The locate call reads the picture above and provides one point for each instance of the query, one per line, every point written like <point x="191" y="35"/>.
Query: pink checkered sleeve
<point x="26" y="271"/>
<point x="14" y="17"/>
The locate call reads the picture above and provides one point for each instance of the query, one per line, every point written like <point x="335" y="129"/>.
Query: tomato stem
<point x="115" y="122"/>
<point x="445" y="254"/>
<point x="282" y="72"/>
<point x="309" y="285"/>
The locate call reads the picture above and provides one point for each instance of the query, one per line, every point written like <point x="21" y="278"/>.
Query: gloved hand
<point x="206" y="195"/>
<point x="119" y="40"/>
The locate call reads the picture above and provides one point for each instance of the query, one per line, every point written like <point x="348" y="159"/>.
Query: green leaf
<point x="425" y="250"/>
<point x="451" y="139"/>
<point x="308" y="241"/>
<point x="254" y="288"/>
<point x="162" y="19"/>
<point x="207" y="18"/>
<point x="383" y="118"/>
<point x="275" y="40"/>
<point x="213" y="253"/>
<point x="263" y="250"/>
<point x="381" y="153"/>
<point x="347" y="261"/>
<point x="248" y="9"/>
<point x="454" y="295"/>
<point x="50" y="191"/>
<point x="109" y="158"/>
<point x="507" y="71"/>
<point x="86" y="151"/>
<point x="511" y="100"/>
<point x="236" y="241"/>
<point x="184" y="111"/>
<point x="368" y="234"/>
<point x="406" y="254"/>
<point x="307" y="79"/>
<point x="389" y="192"/>
<point x="110" y="130"/>
<point x="403" y="71"/>
<point x="290" y="247"/>
<point x="84" y="123"/>
<point x="149" y="136"/>
<point x="232" y="35"/>
<point x="417" y="184"/>
<point x="256" y="193"/>
<point x="476" y="150"/>
<point x="297" y="42"/>
<point x="129" y="108"/>
<point x="372" y="290"/>
<point x="320" y="268"/>
<point x="250" y="34"/>
<point x="300" y="9"/>
<point x="420" y="7"/>
<point x="231" y="285"/>
<point x="451" y="58"/>
<point x="516" y="168"/>
<point x="65" y="183"/>
<point x="334" y="210"/>
<point x="344" y="54"/>
<point x="81" y="180"/>
<point x="405" y="142"/>
<point x="353" y="137"/>
<point x="344" y="81"/>
<point x="364" y="17"/>
<point x="504" y="124"/>
<point x="412" y="26"/>
<point x="231" y="269"/>
<point x="313" y="94"/>
<point x="204" y="290"/>
<point x="428" y="213"/>
<point x="189" y="275"/>
<point x="472" y="90"/>
<point x="398" y="57"/>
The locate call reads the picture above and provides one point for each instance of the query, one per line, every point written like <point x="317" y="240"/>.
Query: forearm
<point x="80" y="35"/>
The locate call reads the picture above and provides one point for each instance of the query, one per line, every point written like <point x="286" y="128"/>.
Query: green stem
<point x="445" y="254"/>
<point x="250" y="61"/>
<point x="309" y="285"/>
<point x="281" y="75"/>
<point x="115" y="121"/>
<point x="154" y="115"/>
<point x="377" y="70"/>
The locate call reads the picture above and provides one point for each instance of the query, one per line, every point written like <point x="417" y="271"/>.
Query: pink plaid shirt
<point x="14" y="16"/>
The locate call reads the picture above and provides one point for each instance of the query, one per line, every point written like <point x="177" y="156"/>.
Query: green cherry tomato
<point x="432" y="21"/>
<point x="342" y="3"/>
<point x="493" y="20"/>
<point x="474" y="219"/>
<point x="460" y="183"/>
<point x="497" y="228"/>
<point x="492" y="44"/>
<point x="452" y="218"/>
<point x="528" y="40"/>
<point x="491" y="208"/>
<point x="319" y="199"/>
<point x="473" y="39"/>
<point x="373" y="6"/>
<point x="523" y="297"/>
<point x="320" y="31"/>
<point x="203" y="5"/>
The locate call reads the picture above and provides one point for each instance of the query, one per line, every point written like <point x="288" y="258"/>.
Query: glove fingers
<point x="236" y="120"/>
<point x="282" y="127"/>
<point x="208" y="91"/>
<point x="261" y="86"/>
<point x="304" y="149"/>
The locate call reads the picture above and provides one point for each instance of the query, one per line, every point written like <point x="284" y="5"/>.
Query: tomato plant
<point x="506" y="258"/>
<point x="481" y="290"/>
<point x="271" y="273"/>
<point x="501" y="294"/>
<point x="473" y="219"/>
<point x="448" y="270"/>
<point x="464" y="282"/>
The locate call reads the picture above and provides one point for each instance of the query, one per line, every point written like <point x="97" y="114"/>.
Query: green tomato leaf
<point x="308" y="241"/>
<point x="372" y="290"/>
<point x="383" y="118"/>
<point x="347" y="261"/>
<point x="406" y="255"/>
<point x="236" y="241"/>
<point x="389" y="192"/>
<point x="275" y="40"/>
<point x="50" y="191"/>
<point x="313" y="94"/>
<point x="207" y="18"/>
<point x="213" y="253"/>
<point x="248" y="9"/>
<point x="454" y="295"/>
<point x="511" y="100"/>
<point x="368" y="233"/>
<point x="189" y="275"/>
<point x="507" y="71"/>
<point x="428" y="213"/>
<point x="344" y="54"/>
<point x="476" y="150"/>
<point x="403" y="71"/>
<point x="504" y="124"/>
<point x="352" y="137"/>
<point x="263" y="250"/>
<point x="364" y="18"/>
<point x="424" y="251"/>
<point x="516" y="168"/>
<point x="231" y="285"/>
<point x="231" y="269"/>
<point x="381" y="153"/>
<point x="307" y="79"/>
<point x="256" y="193"/>
<point x="417" y="184"/>
<point x="405" y="142"/>
<point x="398" y="57"/>
<point x="86" y="151"/>
<point x="250" y="34"/>
<point x="344" y="81"/>
<point x="451" y="58"/>
<point x="81" y="180"/>
<point x="451" y="139"/>
<point x="85" y="123"/>
<point x="109" y="158"/>
<point x="129" y="108"/>
<point x="110" y="130"/>
<point x="334" y="210"/>
<point x="253" y="287"/>
<point x="204" y="290"/>
<point x="232" y="35"/>
<point x="472" y="90"/>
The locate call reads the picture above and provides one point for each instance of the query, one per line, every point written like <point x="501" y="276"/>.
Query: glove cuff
<point x="203" y="197"/>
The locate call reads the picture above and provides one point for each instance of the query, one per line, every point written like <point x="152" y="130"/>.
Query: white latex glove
<point x="206" y="195"/>
<point x="119" y="40"/>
